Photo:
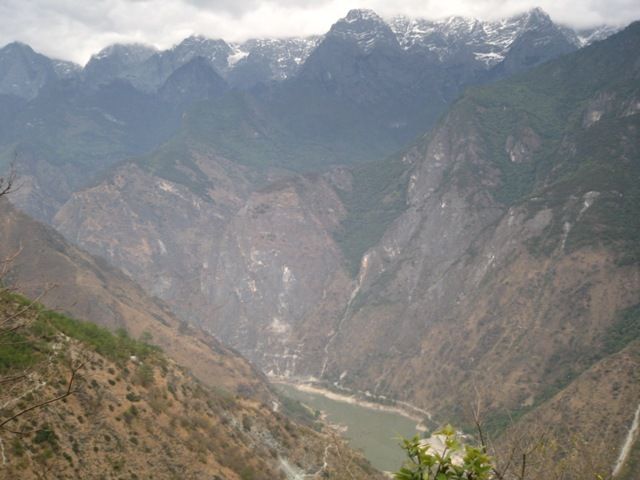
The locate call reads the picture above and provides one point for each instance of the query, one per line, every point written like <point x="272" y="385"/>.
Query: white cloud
<point x="75" y="29"/>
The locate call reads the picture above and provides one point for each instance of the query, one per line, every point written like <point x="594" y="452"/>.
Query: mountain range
<point x="405" y="210"/>
<point x="372" y="86"/>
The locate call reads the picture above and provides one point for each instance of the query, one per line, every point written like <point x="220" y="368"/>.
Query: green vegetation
<point x="115" y="346"/>
<point x="174" y="162"/>
<point x="426" y="463"/>
<point x="623" y="331"/>
<point x="632" y="466"/>
<point x="46" y="435"/>
<point x="17" y="352"/>
<point x="27" y="344"/>
<point x="144" y="375"/>
<point x="241" y="131"/>
<point x="562" y="157"/>
<point x="567" y="366"/>
<point x="260" y="135"/>
<point x="299" y="412"/>
<point x="545" y="108"/>
<point x="377" y="197"/>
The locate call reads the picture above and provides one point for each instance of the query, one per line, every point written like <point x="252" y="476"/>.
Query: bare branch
<point x="12" y="379"/>
<point x="67" y="393"/>
<point x="7" y="182"/>
<point x="6" y="263"/>
<point x="4" y="330"/>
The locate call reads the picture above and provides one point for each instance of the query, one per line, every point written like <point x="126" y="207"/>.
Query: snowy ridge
<point x="587" y="37"/>
<point x="282" y="55"/>
<point x="457" y="39"/>
<point x="65" y="69"/>
<point x="366" y="28"/>
<point x="488" y="41"/>
<point x="215" y="51"/>
<point x="131" y="52"/>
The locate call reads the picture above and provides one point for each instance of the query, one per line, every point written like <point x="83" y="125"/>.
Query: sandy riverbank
<point x="406" y="410"/>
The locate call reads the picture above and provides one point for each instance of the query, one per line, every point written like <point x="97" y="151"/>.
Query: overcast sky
<point x="75" y="29"/>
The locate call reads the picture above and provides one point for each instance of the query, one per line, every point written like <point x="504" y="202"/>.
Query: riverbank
<point x="376" y="430"/>
<point x="403" y="409"/>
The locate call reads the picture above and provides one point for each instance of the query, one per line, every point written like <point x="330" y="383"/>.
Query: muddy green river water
<point x="374" y="432"/>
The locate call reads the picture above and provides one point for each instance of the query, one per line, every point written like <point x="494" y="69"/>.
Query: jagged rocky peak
<point x="15" y="47"/>
<point x="533" y="19"/>
<point x="215" y="50"/>
<point x="23" y="72"/>
<point x="420" y="32"/>
<point x="125" y="52"/>
<point x="193" y="81"/>
<point x="587" y="36"/>
<point x="117" y="61"/>
<point x="488" y="41"/>
<point x="362" y="14"/>
<point x="364" y="26"/>
<point x="279" y="51"/>
<point x="65" y="69"/>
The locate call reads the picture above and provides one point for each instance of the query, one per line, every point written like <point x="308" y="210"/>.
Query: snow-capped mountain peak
<point x="127" y="52"/>
<point x="488" y="41"/>
<point x="362" y="14"/>
<point x="588" y="36"/>
<point x="454" y="39"/>
<point x="280" y="57"/>
<point x="364" y="27"/>
<point x="215" y="51"/>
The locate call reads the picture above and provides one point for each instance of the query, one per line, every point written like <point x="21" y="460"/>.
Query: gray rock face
<point x="24" y="72"/>
<point x="510" y="261"/>
<point x="194" y="81"/>
<point x="270" y="281"/>
<point x="262" y="61"/>
<point x="165" y="234"/>
<point x="244" y="64"/>
<point x="116" y="61"/>
<point x="153" y="73"/>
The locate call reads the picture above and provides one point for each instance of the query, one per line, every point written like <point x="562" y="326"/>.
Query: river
<point x="375" y="432"/>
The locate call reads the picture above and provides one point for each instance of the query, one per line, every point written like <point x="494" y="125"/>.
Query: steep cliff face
<point x="590" y="423"/>
<point x="65" y="278"/>
<point x="278" y="262"/>
<point x="165" y="231"/>
<point x="516" y="251"/>
<point x="246" y="262"/>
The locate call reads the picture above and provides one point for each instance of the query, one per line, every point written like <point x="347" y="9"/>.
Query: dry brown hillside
<point x="79" y="284"/>
<point x="134" y="413"/>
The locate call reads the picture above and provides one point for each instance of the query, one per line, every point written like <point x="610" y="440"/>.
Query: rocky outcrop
<point x="277" y="262"/>
<point x="165" y="233"/>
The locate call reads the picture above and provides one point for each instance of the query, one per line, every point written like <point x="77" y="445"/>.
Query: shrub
<point x="426" y="463"/>
<point x="144" y="375"/>
<point x="45" y="435"/>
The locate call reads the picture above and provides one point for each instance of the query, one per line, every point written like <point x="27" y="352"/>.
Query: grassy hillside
<point x="134" y="413"/>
